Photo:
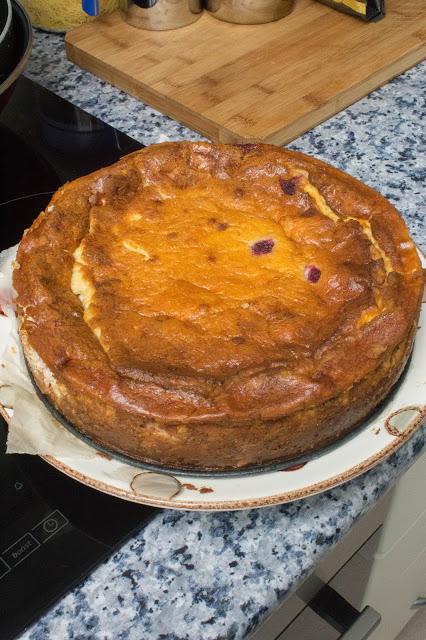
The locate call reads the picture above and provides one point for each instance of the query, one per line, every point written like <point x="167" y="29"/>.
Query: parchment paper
<point x="32" y="429"/>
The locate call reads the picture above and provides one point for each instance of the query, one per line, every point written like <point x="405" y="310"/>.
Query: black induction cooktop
<point x="53" y="530"/>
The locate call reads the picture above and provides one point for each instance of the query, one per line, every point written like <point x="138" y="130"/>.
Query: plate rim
<point x="234" y="505"/>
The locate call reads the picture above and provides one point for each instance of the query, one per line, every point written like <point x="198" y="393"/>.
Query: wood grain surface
<point x="266" y="82"/>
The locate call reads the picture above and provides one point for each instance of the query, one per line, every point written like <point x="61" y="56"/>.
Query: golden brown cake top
<point x="192" y="281"/>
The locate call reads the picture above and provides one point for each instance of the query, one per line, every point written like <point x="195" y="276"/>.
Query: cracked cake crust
<point x="217" y="306"/>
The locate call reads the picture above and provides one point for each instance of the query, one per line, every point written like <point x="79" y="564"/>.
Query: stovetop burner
<point x="53" y="530"/>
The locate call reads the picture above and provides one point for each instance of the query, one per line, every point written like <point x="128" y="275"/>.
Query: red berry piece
<point x="312" y="273"/>
<point x="261" y="247"/>
<point x="222" y="226"/>
<point x="288" y="186"/>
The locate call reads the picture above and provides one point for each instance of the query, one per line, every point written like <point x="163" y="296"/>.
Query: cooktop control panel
<point x="53" y="531"/>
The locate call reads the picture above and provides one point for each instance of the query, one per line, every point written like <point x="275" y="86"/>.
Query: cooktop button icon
<point x="50" y="525"/>
<point x="18" y="486"/>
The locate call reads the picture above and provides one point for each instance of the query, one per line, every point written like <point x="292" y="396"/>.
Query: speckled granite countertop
<point x="216" y="575"/>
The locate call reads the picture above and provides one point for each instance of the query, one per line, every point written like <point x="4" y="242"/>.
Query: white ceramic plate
<point x="380" y="436"/>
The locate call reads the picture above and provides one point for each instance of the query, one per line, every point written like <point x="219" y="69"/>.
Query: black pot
<point x="15" y="45"/>
<point x="6" y="44"/>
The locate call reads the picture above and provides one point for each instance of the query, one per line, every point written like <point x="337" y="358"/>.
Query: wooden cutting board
<point x="259" y="82"/>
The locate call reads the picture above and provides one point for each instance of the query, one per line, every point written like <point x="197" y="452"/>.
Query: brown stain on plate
<point x="188" y="485"/>
<point x="192" y="487"/>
